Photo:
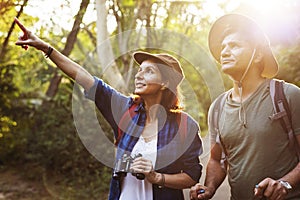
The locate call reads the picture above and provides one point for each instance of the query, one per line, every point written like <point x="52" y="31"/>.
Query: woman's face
<point x="148" y="79"/>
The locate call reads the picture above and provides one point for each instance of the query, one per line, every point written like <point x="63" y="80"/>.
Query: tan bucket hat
<point x="241" y="22"/>
<point x="176" y="72"/>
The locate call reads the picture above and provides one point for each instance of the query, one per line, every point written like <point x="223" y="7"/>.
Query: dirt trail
<point x="26" y="183"/>
<point x="14" y="185"/>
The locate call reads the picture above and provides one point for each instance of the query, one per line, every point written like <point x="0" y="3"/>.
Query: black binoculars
<point x="122" y="167"/>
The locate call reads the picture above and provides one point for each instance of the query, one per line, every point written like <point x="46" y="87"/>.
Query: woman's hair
<point x="171" y="96"/>
<point x="171" y="100"/>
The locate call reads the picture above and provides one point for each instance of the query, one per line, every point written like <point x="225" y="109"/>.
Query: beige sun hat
<point x="247" y="25"/>
<point x="176" y="72"/>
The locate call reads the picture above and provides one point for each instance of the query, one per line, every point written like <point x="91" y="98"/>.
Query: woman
<point x="166" y="137"/>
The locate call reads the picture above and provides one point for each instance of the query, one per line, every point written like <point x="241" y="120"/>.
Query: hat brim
<point x="172" y="71"/>
<point x="215" y="39"/>
<point x="140" y="57"/>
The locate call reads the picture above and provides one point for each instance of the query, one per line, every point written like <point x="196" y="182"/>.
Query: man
<point x="259" y="162"/>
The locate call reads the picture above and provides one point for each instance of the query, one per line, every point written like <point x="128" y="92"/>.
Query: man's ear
<point x="258" y="56"/>
<point x="164" y="85"/>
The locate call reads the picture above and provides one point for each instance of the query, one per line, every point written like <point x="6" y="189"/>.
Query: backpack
<point x="130" y="113"/>
<point x="281" y="108"/>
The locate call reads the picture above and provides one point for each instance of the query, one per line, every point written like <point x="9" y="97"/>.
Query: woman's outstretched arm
<point x="69" y="67"/>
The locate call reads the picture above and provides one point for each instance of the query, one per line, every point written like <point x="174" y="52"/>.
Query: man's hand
<point x="199" y="191"/>
<point x="271" y="189"/>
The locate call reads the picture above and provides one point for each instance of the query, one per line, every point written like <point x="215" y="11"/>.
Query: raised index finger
<point x="20" y="24"/>
<point x="22" y="27"/>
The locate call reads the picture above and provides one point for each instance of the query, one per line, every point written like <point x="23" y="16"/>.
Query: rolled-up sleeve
<point x="191" y="158"/>
<point x="90" y="94"/>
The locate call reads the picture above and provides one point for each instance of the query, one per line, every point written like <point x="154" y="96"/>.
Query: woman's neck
<point x="152" y="105"/>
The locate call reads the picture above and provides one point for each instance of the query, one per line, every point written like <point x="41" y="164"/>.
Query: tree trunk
<point x="105" y="52"/>
<point x="71" y="39"/>
<point x="5" y="43"/>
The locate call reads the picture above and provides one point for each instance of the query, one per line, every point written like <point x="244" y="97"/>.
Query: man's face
<point x="148" y="80"/>
<point x="235" y="55"/>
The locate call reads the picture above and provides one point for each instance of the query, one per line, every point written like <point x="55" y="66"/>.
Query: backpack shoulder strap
<point x="217" y="109"/>
<point x="280" y="104"/>
<point x="181" y="120"/>
<point x="124" y="121"/>
<point x="282" y="111"/>
<point x="215" y="117"/>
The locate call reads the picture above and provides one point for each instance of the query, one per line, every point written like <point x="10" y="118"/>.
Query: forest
<point x="52" y="135"/>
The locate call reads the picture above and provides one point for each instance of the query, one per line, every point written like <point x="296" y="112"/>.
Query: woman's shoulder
<point x="182" y="116"/>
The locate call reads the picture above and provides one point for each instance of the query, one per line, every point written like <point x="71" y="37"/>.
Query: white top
<point x="133" y="188"/>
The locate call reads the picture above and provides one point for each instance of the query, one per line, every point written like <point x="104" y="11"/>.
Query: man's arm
<point x="215" y="175"/>
<point x="273" y="189"/>
<point x="294" y="176"/>
<point x="215" y="172"/>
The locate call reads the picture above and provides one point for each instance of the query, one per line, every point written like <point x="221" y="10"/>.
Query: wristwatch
<point x="286" y="185"/>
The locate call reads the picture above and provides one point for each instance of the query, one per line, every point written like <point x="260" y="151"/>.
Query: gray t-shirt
<point x="261" y="149"/>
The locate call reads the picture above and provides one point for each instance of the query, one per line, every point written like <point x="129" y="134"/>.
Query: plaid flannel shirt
<point x="173" y="155"/>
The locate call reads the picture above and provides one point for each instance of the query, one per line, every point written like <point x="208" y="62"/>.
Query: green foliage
<point x="58" y="147"/>
<point x="48" y="137"/>
<point x="289" y="61"/>
<point x="8" y="92"/>
<point x="35" y="129"/>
